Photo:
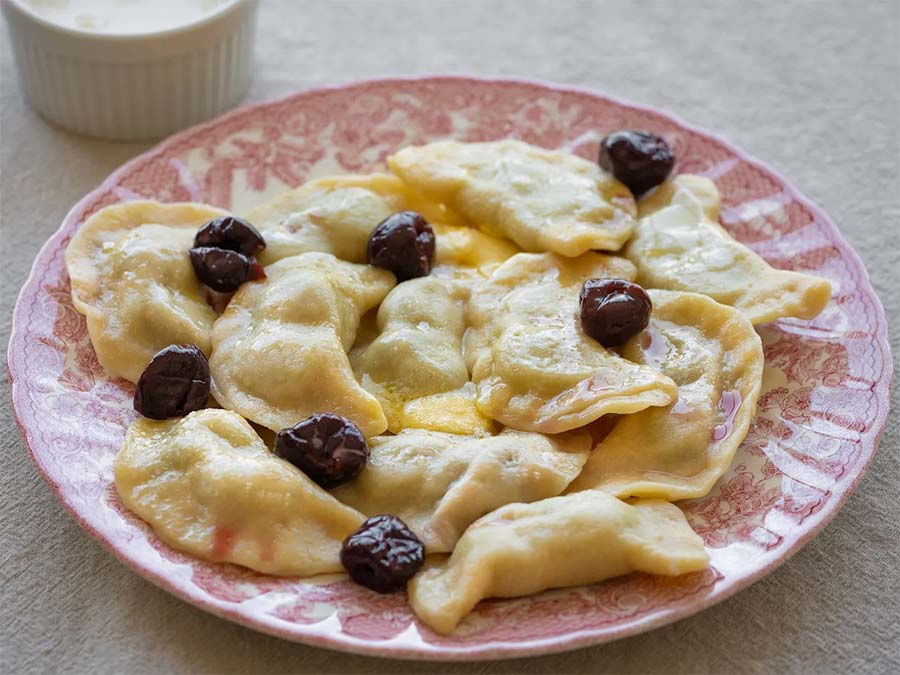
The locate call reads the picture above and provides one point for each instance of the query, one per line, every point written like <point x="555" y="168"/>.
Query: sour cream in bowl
<point x="132" y="69"/>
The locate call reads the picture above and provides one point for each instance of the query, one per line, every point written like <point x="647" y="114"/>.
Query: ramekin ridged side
<point x="134" y="87"/>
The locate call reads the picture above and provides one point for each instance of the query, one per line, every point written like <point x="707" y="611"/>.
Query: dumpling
<point x="466" y="256"/>
<point x="680" y="246"/>
<point x="514" y="467"/>
<point x="439" y="483"/>
<point x="452" y="411"/>
<point x="332" y="215"/>
<point x="463" y="246"/>
<point x="336" y="215"/>
<point x="541" y="199"/>
<point x="680" y="451"/>
<point x="533" y="367"/>
<point x="571" y="540"/>
<point x="702" y="191"/>
<point x="209" y="486"/>
<point x="132" y="278"/>
<point x="417" y="353"/>
<point x="407" y="475"/>
<point x="280" y="349"/>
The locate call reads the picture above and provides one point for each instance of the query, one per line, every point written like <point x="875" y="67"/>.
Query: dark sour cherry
<point x="174" y="383"/>
<point x="229" y="232"/>
<point x="328" y="448"/>
<point x="639" y="159"/>
<point x="383" y="554"/>
<point x="221" y="269"/>
<point x="404" y="244"/>
<point x="613" y="310"/>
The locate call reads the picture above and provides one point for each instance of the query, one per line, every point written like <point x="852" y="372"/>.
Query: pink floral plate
<point x="823" y="406"/>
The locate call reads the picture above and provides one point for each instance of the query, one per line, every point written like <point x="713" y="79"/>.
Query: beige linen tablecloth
<point x="811" y="87"/>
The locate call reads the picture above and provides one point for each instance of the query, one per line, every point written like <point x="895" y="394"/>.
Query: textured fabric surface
<point x="810" y="87"/>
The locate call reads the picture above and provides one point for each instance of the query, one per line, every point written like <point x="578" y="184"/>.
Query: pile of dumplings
<point x="520" y="451"/>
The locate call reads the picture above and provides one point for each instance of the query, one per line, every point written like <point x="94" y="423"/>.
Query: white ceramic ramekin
<point x="134" y="86"/>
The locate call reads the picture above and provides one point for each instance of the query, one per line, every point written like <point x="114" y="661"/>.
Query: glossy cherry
<point x="223" y="270"/>
<point x="232" y="233"/>
<point x="383" y="554"/>
<point x="613" y="310"/>
<point x="404" y="244"/>
<point x="174" y="383"/>
<point x="639" y="159"/>
<point x="328" y="448"/>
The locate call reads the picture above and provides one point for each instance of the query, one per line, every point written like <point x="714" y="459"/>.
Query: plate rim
<point x="868" y="442"/>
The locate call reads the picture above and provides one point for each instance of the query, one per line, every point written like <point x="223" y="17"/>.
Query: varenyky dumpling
<point x="418" y="353"/>
<point x="132" y="278"/>
<point x="466" y="256"/>
<point x="513" y="467"/>
<point x="533" y="366"/>
<point x="702" y="190"/>
<point x="209" y="486"/>
<point x="571" y="540"/>
<point x="407" y="475"/>
<point x="453" y="412"/>
<point x="681" y="450"/>
<point x="680" y="246"/>
<point x="439" y="483"/>
<point x="464" y="246"/>
<point x="336" y="215"/>
<point x="541" y="199"/>
<point x="280" y="349"/>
